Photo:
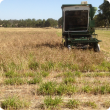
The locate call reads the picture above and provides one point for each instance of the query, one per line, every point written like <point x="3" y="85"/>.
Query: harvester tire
<point x="97" y="48"/>
<point x="69" y="47"/>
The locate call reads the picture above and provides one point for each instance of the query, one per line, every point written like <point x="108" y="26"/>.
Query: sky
<point x="36" y="9"/>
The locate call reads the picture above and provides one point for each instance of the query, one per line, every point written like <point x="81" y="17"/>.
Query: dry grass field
<point x="38" y="73"/>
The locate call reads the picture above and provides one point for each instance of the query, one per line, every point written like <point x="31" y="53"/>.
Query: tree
<point x="38" y="23"/>
<point x="33" y="22"/>
<point x="43" y="23"/>
<point x="104" y="12"/>
<point x="99" y="21"/>
<point x="51" y="22"/>
<point x="60" y="21"/>
<point x="6" y="23"/>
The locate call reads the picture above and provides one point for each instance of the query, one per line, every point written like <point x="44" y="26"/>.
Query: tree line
<point x="30" y="23"/>
<point x="103" y="16"/>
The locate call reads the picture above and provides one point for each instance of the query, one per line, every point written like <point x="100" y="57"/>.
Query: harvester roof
<point x="66" y="5"/>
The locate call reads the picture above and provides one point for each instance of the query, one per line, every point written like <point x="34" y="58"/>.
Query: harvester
<point x="78" y="26"/>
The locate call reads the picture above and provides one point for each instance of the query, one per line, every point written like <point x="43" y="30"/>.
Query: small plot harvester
<point x="78" y="26"/>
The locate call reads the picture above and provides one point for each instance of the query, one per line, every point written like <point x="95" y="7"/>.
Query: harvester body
<point x="78" y="26"/>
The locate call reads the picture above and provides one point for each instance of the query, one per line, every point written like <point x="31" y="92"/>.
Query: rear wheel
<point x="97" y="48"/>
<point x="69" y="47"/>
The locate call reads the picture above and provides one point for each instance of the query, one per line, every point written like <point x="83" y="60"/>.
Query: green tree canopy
<point x="51" y="22"/>
<point x="60" y="21"/>
<point x="104" y="12"/>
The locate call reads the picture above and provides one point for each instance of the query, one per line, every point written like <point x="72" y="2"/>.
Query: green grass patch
<point x="12" y="66"/>
<point x="78" y="74"/>
<point x="67" y="66"/>
<point x="59" y="34"/>
<point x="11" y="74"/>
<point x="104" y="66"/>
<point x="47" y="66"/>
<point x="72" y="74"/>
<point x="98" y="75"/>
<point x="33" y="65"/>
<point x="68" y="74"/>
<point x="16" y="80"/>
<point x="28" y="74"/>
<point x="61" y="89"/>
<point x="51" y="88"/>
<point x="48" y="88"/>
<point x="90" y="104"/>
<point x="69" y="80"/>
<point x="87" y="89"/>
<point x="105" y="89"/>
<point x="44" y="73"/>
<point x="14" y="103"/>
<point x="37" y="79"/>
<point x="3" y="67"/>
<point x="72" y="104"/>
<point x="66" y="89"/>
<point x="50" y="103"/>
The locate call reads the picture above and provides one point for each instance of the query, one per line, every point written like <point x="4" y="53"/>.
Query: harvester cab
<point x="78" y="26"/>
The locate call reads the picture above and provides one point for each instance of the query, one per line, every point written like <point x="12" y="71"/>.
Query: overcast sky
<point x="37" y="9"/>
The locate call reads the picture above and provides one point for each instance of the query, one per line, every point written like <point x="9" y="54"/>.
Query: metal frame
<point x="71" y="8"/>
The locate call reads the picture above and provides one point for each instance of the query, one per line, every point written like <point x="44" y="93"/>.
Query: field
<point x="38" y="73"/>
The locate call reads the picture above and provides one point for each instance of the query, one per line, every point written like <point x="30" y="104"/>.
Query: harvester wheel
<point x="69" y="47"/>
<point x="97" y="48"/>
